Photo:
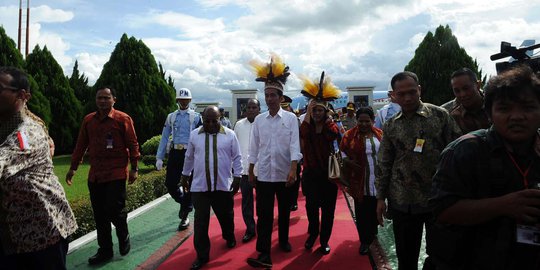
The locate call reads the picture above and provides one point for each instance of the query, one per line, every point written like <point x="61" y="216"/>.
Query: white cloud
<point x="54" y="43"/>
<point x="91" y="64"/>
<point x="357" y="42"/>
<point x="47" y="14"/>
<point x="189" y="26"/>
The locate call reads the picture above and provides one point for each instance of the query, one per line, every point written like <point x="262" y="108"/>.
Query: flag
<point x="23" y="140"/>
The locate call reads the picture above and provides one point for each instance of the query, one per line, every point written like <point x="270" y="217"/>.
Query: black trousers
<point x="52" y="257"/>
<point x="365" y="212"/>
<point x="408" y="230"/>
<point x="247" y="204"/>
<point x="222" y="204"/>
<point x="108" y="203"/>
<point x="320" y="194"/>
<point x="265" y="213"/>
<point x="296" y="186"/>
<point x="175" y="164"/>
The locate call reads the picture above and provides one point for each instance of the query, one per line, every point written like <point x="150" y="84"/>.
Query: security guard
<point x="174" y="140"/>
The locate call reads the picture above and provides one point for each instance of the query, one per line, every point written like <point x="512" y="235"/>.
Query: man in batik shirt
<point x="35" y="217"/>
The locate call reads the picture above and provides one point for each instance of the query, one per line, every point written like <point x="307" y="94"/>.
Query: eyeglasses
<point x="2" y="88"/>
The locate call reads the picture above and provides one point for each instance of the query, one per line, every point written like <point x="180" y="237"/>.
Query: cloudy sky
<point x="205" y="44"/>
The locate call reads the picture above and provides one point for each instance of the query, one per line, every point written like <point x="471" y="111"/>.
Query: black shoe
<point x="364" y="249"/>
<point x="231" y="243"/>
<point x="294" y="207"/>
<point x="198" y="263"/>
<point x="124" y="246"/>
<point x="263" y="261"/>
<point x="247" y="237"/>
<point x="325" y="249"/>
<point x="100" y="257"/>
<point x="285" y="247"/>
<point x="184" y="224"/>
<point x="310" y="241"/>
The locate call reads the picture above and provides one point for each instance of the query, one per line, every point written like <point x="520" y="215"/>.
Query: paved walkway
<point x="153" y="239"/>
<point x="152" y="232"/>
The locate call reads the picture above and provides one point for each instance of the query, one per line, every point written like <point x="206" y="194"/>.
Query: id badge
<point x="419" y="145"/>
<point x="109" y="144"/>
<point x="109" y="141"/>
<point x="529" y="235"/>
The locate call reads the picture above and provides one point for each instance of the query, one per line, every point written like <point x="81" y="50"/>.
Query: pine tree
<point x="141" y="89"/>
<point x="65" y="107"/>
<point x="170" y="80"/>
<point x="10" y="56"/>
<point x="435" y="59"/>
<point x="83" y="92"/>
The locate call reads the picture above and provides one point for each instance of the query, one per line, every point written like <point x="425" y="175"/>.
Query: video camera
<point x="520" y="56"/>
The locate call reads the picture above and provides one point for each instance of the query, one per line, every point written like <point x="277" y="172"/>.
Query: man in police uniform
<point x="174" y="140"/>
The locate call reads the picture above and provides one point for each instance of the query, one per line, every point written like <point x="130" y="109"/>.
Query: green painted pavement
<point x="148" y="232"/>
<point x="386" y="239"/>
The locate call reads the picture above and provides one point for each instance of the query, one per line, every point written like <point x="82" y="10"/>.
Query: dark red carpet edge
<point x="344" y="244"/>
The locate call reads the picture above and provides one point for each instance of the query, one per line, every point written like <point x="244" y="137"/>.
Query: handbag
<point x="335" y="166"/>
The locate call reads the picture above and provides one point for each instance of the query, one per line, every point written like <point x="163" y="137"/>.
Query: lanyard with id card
<point x="529" y="234"/>
<point x="109" y="141"/>
<point x="419" y="145"/>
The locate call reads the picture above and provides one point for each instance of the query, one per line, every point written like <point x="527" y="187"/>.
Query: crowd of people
<point x="466" y="173"/>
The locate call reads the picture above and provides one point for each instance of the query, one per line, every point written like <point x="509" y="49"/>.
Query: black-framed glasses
<point x="12" y="88"/>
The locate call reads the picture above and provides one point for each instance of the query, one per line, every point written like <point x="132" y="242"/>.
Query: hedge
<point x="148" y="187"/>
<point x="149" y="150"/>
<point x="150" y="147"/>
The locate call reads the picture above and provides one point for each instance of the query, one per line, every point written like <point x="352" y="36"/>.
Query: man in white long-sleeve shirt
<point x="243" y="132"/>
<point x="212" y="153"/>
<point x="275" y="148"/>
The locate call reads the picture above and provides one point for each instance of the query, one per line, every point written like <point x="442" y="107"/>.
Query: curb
<point x="83" y="240"/>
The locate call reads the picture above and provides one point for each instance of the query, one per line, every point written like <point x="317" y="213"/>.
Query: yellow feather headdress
<point x="272" y="74"/>
<point x="325" y="90"/>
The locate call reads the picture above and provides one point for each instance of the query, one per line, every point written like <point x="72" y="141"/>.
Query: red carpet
<point x="343" y="242"/>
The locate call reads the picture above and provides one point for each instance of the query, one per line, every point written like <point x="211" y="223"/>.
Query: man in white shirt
<point x="275" y="148"/>
<point x="213" y="152"/>
<point x="243" y="133"/>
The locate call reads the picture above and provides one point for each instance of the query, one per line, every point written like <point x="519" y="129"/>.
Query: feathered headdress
<point x="273" y="74"/>
<point x="321" y="92"/>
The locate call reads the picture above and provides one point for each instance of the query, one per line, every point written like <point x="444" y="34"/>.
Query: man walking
<point x="213" y="151"/>
<point x="275" y="148"/>
<point x="174" y="140"/>
<point x="109" y="137"/>
<point x="409" y="151"/>
<point x="486" y="192"/>
<point x="243" y="132"/>
<point x="35" y="217"/>
<point x="468" y="107"/>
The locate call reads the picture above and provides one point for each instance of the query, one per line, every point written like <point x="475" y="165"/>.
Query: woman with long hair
<point x="360" y="145"/>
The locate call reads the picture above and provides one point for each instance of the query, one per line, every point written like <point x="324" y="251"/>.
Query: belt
<point x="179" y="146"/>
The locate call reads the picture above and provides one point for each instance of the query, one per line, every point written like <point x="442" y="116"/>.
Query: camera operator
<point x="485" y="196"/>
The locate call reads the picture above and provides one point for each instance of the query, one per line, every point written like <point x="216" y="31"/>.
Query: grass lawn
<point x="79" y="188"/>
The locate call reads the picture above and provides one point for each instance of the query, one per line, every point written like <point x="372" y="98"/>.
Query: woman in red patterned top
<point x="317" y="135"/>
<point x="360" y="145"/>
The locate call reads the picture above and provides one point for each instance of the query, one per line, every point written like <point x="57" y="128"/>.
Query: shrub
<point x="149" y="160"/>
<point x="150" y="147"/>
<point x="148" y="187"/>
